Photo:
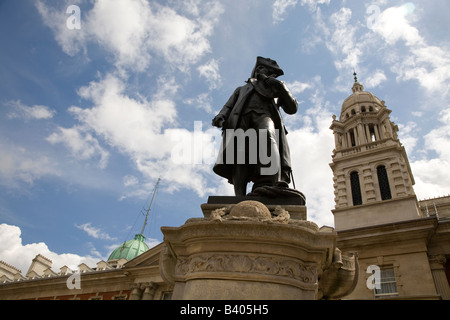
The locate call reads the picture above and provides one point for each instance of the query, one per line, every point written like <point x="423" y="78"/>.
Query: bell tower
<point x="373" y="182"/>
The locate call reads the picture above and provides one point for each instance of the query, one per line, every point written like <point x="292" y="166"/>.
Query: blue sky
<point x="91" y="117"/>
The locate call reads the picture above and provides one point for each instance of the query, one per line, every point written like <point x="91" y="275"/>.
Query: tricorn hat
<point x="272" y="64"/>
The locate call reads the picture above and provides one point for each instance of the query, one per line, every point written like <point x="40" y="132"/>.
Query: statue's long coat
<point x="232" y="111"/>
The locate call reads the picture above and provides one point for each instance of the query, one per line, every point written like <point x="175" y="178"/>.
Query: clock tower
<point x="373" y="182"/>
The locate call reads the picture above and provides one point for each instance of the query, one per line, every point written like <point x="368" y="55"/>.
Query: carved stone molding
<point x="247" y="264"/>
<point x="439" y="259"/>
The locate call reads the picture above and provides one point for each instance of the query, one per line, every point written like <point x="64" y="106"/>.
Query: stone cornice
<point x="408" y="230"/>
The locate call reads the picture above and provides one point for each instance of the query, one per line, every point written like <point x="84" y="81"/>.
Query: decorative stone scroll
<point x="247" y="264"/>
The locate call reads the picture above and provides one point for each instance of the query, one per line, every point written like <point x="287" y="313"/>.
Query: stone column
<point x="361" y="135"/>
<point x="377" y="132"/>
<point x="437" y="264"/>
<point x="149" y="291"/>
<point x="349" y="139"/>
<point x="136" y="292"/>
<point x="337" y="140"/>
<point x="369" y="137"/>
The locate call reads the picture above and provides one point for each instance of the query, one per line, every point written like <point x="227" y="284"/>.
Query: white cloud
<point x="375" y="79"/>
<point x="129" y="181"/>
<point x="407" y="136"/>
<point x="202" y="101"/>
<point x="26" y="113"/>
<point x="135" y="30"/>
<point x="393" y="25"/>
<point x="152" y="242"/>
<point x="134" y="33"/>
<point x="311" y="146"/>
<point x="311" y="171"/>
<point x="431" y="177"/>
<point x="210" y="71"/>
<point x="134" y="125"/>
<point x="140" y="129"/>
<point x="339" y="35"/>
<point x="94" y="232"/>
<point x="120" y="26"/>
<point x="71" y="41"/>
<point x="297" y="87"/>
<point x="280" y="7"/>
<point x="438" y="139"/>
<point x="428" y="64"/>
<point x="19" y="165"/>
<point x="426" y="171"/>
<point x="313" y="4"/>
<point x="343" y="42"/>
<point x="20" y="255"/>
<point x="393" y="39"/>
<point x="82" y="145"/>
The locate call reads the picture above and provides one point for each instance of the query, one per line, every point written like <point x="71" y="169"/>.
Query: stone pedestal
<point x="245" y="251"/>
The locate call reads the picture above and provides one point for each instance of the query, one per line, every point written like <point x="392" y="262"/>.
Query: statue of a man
<point x="253" y="112"/>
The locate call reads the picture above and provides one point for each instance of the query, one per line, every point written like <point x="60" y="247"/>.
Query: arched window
<point x="363" y="109"/>
<point x="383" y="181"/>
<point x="356" y="188"/>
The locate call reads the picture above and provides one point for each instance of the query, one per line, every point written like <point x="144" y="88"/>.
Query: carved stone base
<point x="295" y="206"/>
<point x="248" y="253"/>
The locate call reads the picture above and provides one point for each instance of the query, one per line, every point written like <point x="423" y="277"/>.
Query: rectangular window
<point x="388" y="283"/>
<point x="383" y="181"/>
<point x="356" y="188"/>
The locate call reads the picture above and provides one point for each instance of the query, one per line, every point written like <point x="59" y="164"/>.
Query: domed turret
<point x="129" y="249"/>
<point x="359" y="102"/>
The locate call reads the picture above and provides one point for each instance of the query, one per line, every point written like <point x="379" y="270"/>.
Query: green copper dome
<point x="130" y="249"/>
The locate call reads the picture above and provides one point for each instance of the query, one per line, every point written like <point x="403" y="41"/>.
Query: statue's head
<point x="269" y="64"/>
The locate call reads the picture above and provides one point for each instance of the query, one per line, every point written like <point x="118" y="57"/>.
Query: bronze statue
<point x="253" y="112"/>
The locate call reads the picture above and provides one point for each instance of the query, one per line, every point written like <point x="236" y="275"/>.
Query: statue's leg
<point x="270" y="173"/>
<point x="240" y="180"/>
<point x="285" y="177"/>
